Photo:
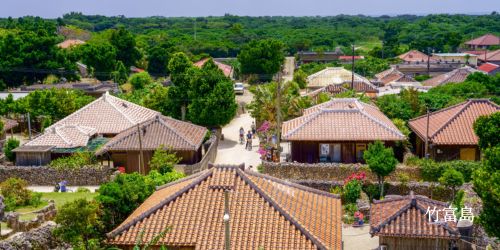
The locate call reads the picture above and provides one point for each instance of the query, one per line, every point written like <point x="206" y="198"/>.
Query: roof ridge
<point x="131" y="131"/>
<point x="161" y="204"/>
<point x="307" y="119"/>
<point x="397" y="132"/>
<point x="282" y="211"/>
<point x="176" y="132"/>
<point x="67" y="141"/>
<point x="392" y="217"/>
<point x="444" y="225"/>
<point x="106" y="96"/>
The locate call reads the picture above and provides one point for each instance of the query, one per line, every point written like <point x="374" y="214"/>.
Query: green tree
<point x="451" y="178"/>
<point x="101" y="57"/>
<point x="164" y="160"/>
<point x="158" y="58"/>
<point x="78" y="223"/>
<point x="125" y="45"/>
<point x="212" y="101"/>
<point x="2" y="126"/>
<point x="140" y="80"/>
<point x="10" y="145"/>
<point x="120" y="75"/>
<point x="157" y="98"/>
<point x="487" y="128"/>
<point x="300" y="77"/>
<point x="181" y="69"/>
<point x="381" y="161"/>
<point x="262" y="57"/>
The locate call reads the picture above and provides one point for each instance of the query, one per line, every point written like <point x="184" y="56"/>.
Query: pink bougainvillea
<point x="360" y="176"/>
<point x="264" y="127"/>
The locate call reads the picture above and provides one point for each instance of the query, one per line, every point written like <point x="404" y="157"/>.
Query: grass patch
<point x="62" y="198"/>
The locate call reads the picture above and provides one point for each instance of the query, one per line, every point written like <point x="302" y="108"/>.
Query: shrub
<point x="82" y="190"/>
<point x="336" y="190"/>
<point x="458" y="202"/>
<point x="413" y="161"/>
<point x="373" y="190"/>
<point x="467" y="168"/>
<point x="452" y="178"/>
<point x="404" y="178"/>
<point x="77" y="160"/>
<point x="349" y="210"/>
<point x="352" y="191"/>
<point x="10" y="145"/>
<point x="163" y="160"/>
<point x="140" y="80"/>
<point x="431" y="171"/>
<point x="15" y="193"/>
<point x="36" y="199"/>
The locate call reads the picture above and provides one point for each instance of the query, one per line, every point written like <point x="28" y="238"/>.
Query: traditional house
<point x="417" y="63"/>
<point x="85" y="129"/>
<point x="341" y="77"/>
<point x="95" y="89"/>
<point x="226" y="207"/>
<point x="226" y="69"/>
<point x="391" y="76"/>
<point x="319" y="57"/>
<point x="183" y="138"/>
<point x="403" y="223"/>
<point x="413" y="56"/>
<point x="331" y="90"/>
<point x="491" y="57"/>
<point x="8" y="126"/>
<point x="489" y="68"/>
<point x="483" y="42"/>
<point x="70" y="43"/>
<point x="338" y="131"/>
<point x="455" y="76"/>
<point x="450" y="131"/>
<point x="461" y="58"/>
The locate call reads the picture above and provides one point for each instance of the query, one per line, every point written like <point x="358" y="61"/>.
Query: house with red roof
<point x="449" y="131"/>
<point x="489" y="68"/>
<point x="226" y="69"/>
<point x="483" y="42"/>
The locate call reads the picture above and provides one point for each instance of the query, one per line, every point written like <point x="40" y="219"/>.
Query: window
<point x="360" y="150"/>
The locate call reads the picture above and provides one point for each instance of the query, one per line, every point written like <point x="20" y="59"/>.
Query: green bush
<point x="36" y="199"/>
<point x="336" y="190"/>
<point x="10" y="145"/>
<point x="77" y="160"/>
<point x="15" y="193"/>
<point x="349" y="210"/>
<point x="82" y="190"/>
<point x="140" y="80"/>
<point x="373" y="190"/>
<point x="351" y="191"/>
<point x="163" y="160"/>
<point x="431" y="171"/>
<point x="464" y="167"/>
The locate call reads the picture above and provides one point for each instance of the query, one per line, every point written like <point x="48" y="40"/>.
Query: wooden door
<point x="468" y="154"/>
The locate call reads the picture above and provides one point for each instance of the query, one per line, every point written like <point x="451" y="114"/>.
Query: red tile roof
<point x="8" y="124"/>
<point x="331" y="89"/>
<point x="226" y="69"/>
<point x="488" y="67"/>
<point x="265" y="212"/>
<point x="491" y="56"/>
<point x="158" y="131"/>
<point x="413" y="56"/>
<point x="341" y="119"/>
<point x="455" y="76"/>
<point x="486" y="40"/>
<point x="392" y="75"/>
<point x="454" y="125"/>
<point x="405" y="216"/>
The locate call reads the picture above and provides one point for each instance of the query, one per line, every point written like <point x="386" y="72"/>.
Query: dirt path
<point x="288" y="68"/>
<point x="358" y="238"/>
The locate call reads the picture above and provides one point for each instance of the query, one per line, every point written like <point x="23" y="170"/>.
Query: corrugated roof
<point x="265" y="212"/>
<point x="454" y="125"/>
<point x="341" y="119"/>
<point x="405" y="216"/>
<point x="455" y="76"/>
<point x="157" y="131"/>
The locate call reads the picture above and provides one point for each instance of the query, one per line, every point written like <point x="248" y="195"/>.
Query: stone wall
<point x="47" y="176"/>
<point x="39" y="238"/>
<point x="43" y="215"/>
<point x="330" y="171"/>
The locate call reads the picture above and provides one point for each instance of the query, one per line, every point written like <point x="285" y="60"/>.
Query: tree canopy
<point x="262" y="57"/>
<point x="381" y="161"/>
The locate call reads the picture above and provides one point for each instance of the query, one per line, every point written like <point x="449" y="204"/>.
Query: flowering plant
<point x="359" y="176"/>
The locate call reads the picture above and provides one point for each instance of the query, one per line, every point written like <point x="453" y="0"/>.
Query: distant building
<point x="391" y="76"/>
<point x="402" y="222"/>
<point x="8" y="126"/>
<point x="491" y="57"/>
<point x="92" y="89"/>
<point x="348" y="59"/>
<point x="70" y="43"/>
<point x="342" y="77"/>
<point x="461" y="58"/>
<point x="413" y="56"/>
<point x="416" y="63"/>
<point x="338" y="131"/>
<point x="450" y="130"/>
<point x="456" y="76"/>
<point x="226" y="69"/>
<point x="483" y="42"/>
<point x="250" y="210"/>
<point x="319" y="57"/>
<point x="489" y="68"/>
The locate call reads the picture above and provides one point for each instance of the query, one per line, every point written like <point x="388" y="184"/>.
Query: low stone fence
<point x="47" y="176"/>
<point x="40" y="238"/>
<point x="210" y="148"/>
<point x="331" y="171"/>
<point x="45" y="214"/>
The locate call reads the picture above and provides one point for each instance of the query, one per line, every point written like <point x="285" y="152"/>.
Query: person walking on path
<point x="249" y="140"/>
<point x="254" y="129"/>
<point x="242" y="135"/>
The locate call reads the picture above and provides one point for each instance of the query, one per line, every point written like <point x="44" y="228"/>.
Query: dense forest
<point x="28" y="52"/>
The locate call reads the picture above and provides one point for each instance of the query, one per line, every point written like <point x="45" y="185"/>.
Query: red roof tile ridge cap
<point x="317" y="242"/>
<point x="176" y="132"/>
<point x="291" y="184"/>
<point x="384" y="125"/>
<point x="375" y="229"/>
<point x="56" y="131"/>
<point x="161" y="204"/>
<point x="444" y="225"/>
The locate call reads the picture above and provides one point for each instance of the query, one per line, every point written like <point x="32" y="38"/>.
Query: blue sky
<point x="141" y="8"/>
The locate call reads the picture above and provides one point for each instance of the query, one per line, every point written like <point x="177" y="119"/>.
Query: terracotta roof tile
<point x="488" y="67"/>
<point x="264" y="212"/>
<point x="491" y="56"/>
<point x="392" y="75"/>
<point x="339" y="76"/>
<point x="455" y="76"/>
<point x="331" y="89"/>
<point x="488" y="39"/>
<point x="454" y="125"/>
<point x="405" y="217"/>
<point x="157" y="131"/>
<point x="64" y="136"/>
<point x="413" y="56"/>
<point x="341" y="119"/>
<point x="8" y="124"/>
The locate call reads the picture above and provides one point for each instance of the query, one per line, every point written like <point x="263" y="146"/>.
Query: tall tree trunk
<point x="183" y="112"/>
<point x="381" y="186"/>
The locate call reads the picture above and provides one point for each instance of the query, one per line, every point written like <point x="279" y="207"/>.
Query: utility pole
<point x="278" y="114"/>
<point x="29" y="126"/>
<point x="352" y="68"/>
<point x="428" y="61"/>
<point x="427" y="136"/>
<point x="141" y="154"/>
<point x="227" y="236"/>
